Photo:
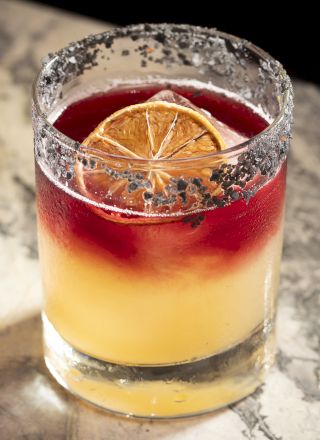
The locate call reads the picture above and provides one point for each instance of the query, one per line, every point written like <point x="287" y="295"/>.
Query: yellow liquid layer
<point x="126" y="318"/>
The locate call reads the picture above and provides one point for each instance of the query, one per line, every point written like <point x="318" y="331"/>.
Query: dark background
<point x="289" y="32"/>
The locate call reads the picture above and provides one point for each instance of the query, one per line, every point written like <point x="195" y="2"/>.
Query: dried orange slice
<point x="152" y="130"/>
<point x="156" y="130"/>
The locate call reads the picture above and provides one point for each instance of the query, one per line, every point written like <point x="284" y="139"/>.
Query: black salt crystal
<point x="181" y="185"/>
<point x="132" y="187"/>
<point x="147" y="195"/>
<point x="215" y="176"/>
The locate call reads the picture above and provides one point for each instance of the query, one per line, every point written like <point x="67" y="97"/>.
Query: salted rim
<point x="285" y="87"/>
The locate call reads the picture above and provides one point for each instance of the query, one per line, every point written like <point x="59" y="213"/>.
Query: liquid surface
<point x="81" y="117"/>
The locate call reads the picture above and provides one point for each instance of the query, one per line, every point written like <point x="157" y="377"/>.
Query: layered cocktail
<point x="160" y="208"/>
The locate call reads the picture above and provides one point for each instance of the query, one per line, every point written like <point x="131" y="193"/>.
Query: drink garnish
<point x="155" y="130"/>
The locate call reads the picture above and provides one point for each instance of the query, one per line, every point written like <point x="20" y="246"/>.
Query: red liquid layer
<point x="229" y="232"/>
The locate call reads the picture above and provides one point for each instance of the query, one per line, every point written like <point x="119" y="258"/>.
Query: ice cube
<point x="230" y="136"/>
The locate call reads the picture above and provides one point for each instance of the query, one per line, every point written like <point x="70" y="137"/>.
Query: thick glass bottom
<point x="177" y="390"/>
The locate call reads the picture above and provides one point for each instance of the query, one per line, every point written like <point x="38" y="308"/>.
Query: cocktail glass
<point x="160" y="298"/>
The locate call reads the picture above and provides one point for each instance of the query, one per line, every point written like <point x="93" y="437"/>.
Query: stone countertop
<point x="32" y="405"/>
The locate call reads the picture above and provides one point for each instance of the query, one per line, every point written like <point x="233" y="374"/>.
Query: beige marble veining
<point x="32" y="405"/>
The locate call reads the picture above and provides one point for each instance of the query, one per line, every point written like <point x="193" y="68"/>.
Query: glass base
<point x="178" y="390"/>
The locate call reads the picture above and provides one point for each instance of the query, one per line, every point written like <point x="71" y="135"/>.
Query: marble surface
<point x="32" y="405"/>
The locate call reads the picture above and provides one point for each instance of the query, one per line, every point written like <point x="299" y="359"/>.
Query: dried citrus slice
<point x="156" y="130"/>
<point x="152" y="130"/>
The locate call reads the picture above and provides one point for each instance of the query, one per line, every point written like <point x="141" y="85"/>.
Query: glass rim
<point x="285" y="93"/>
